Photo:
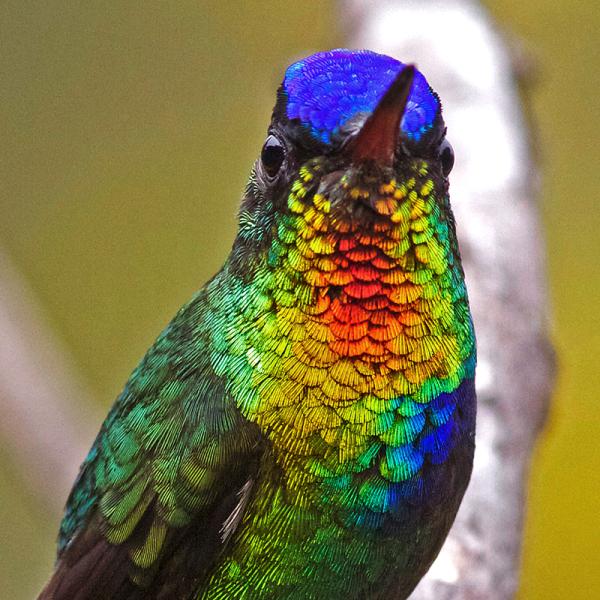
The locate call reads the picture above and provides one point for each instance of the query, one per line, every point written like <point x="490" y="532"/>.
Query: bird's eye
<point x="446" y="155"/>
<point x="272" y="156"/>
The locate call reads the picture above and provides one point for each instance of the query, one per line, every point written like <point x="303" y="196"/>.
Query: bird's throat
<point x="347" y="311"/>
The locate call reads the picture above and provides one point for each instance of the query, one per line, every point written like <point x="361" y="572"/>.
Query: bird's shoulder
<point x="173" y="458"/>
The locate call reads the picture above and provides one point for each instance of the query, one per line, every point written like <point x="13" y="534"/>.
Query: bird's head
<point x="356" y="139"/>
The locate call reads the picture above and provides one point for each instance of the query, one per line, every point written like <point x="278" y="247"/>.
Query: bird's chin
<point x="371" y="204"/>
<point x="362" y="213"/>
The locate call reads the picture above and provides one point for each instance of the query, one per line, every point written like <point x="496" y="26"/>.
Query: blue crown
<point x="327" y="89"/>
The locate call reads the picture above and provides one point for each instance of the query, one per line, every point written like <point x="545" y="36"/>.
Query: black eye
<point x="446" y="155"/>
<point x="272" y="156"/>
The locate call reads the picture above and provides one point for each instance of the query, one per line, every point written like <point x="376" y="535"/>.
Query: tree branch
<point x="46" y="425"/>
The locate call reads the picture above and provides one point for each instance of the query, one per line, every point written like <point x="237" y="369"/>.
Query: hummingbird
<point x="304" y="427"/>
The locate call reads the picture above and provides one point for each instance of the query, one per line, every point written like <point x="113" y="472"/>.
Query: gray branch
<point x="494" y="187"/>
<point x="46" y="425"/>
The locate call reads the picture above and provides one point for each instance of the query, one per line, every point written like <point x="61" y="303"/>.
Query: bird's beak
<point x="378" y="137"/>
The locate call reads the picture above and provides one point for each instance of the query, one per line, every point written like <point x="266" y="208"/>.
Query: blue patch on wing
<point x="327" y="89"/>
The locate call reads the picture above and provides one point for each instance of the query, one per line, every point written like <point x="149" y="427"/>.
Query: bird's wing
<point x="166" y="481"/>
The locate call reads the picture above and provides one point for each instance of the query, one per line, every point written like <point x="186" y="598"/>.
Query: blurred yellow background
<point x="130" y="131"/>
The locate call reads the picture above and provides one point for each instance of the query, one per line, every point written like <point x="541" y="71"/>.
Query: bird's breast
<point x="353" y="337"/>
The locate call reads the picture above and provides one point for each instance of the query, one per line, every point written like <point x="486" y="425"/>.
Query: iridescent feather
<point x="304" y="427"/>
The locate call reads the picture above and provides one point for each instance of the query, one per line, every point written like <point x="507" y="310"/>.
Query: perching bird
<point x="304" y="427"/>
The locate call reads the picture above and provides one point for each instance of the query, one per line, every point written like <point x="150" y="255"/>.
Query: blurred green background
<point x="128" y="132"/>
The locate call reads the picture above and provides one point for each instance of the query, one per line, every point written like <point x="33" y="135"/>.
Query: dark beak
<point x="378" y="137"/>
